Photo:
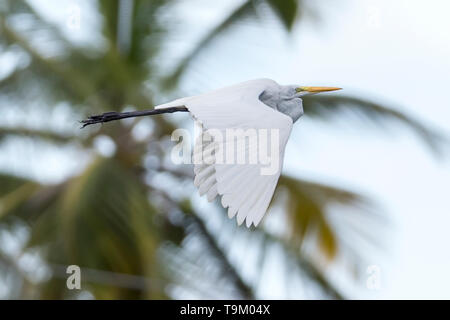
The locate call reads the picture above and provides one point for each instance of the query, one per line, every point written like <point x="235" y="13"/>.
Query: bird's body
<point x="261" y="106"/>
<point x="242" y="188"/>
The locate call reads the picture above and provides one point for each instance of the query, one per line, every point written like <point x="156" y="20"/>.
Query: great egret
<point x="260" y="104"/>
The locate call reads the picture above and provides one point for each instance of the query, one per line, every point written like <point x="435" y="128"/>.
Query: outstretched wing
<point x="246" y="189"/>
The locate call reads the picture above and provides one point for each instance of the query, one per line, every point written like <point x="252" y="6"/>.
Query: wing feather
<point x="244" y="190"/>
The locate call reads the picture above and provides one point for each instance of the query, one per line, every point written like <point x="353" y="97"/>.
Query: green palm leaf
<point x="332" y="107"/>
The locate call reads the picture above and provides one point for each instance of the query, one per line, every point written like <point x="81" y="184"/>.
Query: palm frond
<point x="14" y="192"/>
<point x="105" y="209"/>
<point x="9" y="182"/>
<point x="245" y="291"/>
<point x="332" y="107"/>
<point x="46" y="135"/>
<point x="287" y="10"/>
<point x="307" y="205"/>
<point x="241" y="12"/>
<point x="301" y="264"/>
<point x="75" y="82"/>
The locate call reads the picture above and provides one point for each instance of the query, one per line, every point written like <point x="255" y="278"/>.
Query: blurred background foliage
<point x="121" y="218"/>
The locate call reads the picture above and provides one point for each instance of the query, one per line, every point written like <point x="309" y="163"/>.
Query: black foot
<point x="105" y="117"/>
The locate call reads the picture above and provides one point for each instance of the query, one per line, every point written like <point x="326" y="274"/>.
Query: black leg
<point x="111" y="116"/>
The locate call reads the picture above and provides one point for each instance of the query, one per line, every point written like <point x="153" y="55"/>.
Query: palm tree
<point x="116" y="219"/>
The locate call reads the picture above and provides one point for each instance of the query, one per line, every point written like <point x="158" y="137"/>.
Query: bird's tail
<point x="175" y="103"/>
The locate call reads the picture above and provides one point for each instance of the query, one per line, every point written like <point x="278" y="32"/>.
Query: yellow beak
<point x="317" y="89"/>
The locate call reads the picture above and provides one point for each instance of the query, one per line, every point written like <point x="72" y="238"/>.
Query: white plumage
<point x="263" y="111"/>
<point x="242" y="188"/>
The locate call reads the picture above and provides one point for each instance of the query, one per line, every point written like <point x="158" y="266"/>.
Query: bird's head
<point x="288" y="99"/>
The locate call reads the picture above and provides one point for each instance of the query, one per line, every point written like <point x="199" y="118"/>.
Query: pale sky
<point x="396" y="52"/>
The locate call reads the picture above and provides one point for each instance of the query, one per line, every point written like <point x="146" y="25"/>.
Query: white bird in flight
<point x="260" y="104"/>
